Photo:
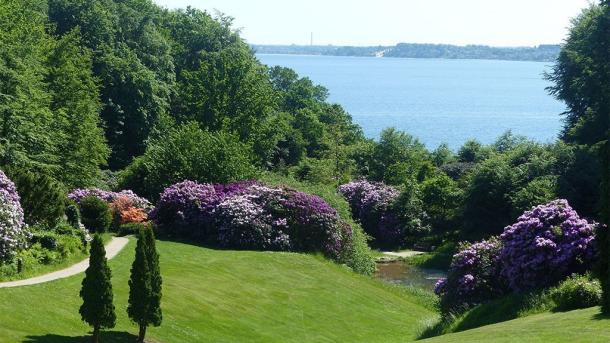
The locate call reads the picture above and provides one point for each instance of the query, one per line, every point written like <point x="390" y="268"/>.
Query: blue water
<point x="436" y="100"/>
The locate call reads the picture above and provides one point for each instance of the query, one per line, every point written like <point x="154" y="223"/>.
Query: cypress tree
<point x="155" y="316"/>
<point x="97" y="308"/>
<point x="139" y="287"/>
<point x="145" y="284"/>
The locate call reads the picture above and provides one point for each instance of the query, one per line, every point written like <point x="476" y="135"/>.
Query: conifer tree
<point x="145" y="284"/>
<point x="97" y="308"/>
<point x="139" y="287"/>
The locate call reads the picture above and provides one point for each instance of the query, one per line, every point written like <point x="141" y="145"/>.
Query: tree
<point x="97" y="309"/>
<point x="145" y="284"/>
<point x="581" y="79"/>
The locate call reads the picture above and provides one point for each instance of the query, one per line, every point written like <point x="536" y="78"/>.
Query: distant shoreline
<point x="540" y="53"/>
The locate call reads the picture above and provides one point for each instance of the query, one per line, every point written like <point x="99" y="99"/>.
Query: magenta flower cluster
<point x="13" y="231"/>
<point x="371" y="204"/>
<point x="544" y="246"/>
<point x="109" y="196"/>
<point x="250" y="215"/>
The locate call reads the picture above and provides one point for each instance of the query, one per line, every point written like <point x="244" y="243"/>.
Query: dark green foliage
<point x="42" y="198"/>
<point x="581" y="79"/>
<point x="189" y="153"/>
<point x="576" y="292"/>
<point x="95" y="214"/>
<point x="145" y="284"/>
<point x="97" y="309"/>
<point x="397" y="158"/>
<point x="472" y="151"/>
<point x="73" y="215"/>
<point x="441" y="199"/>
<point x="541" y="190"/>
<point x="132" y="228"/>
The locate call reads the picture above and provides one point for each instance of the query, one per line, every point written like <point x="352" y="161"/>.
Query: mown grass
<point x="229" y="296"/>
<point x="582" y="326"/>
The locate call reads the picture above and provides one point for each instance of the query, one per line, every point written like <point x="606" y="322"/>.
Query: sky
<point x="387" y="22"/>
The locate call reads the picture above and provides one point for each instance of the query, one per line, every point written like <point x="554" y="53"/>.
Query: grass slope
<point x="583" y="326"/>
<point x="227" y="296"/>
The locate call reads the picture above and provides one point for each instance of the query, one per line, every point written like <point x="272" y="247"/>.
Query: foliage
<point x="441" y="198"/>
<point x="97" y="309"/>
<point x="145" y="284"/>
<point x="43" y="199"/>
<point x="73" y="215"/>
<point x="546" y="245"/>
<point x="370" y="203"/>
<point x="249" y="215"/>
<point x="473" y="277"/>
<point x="95" y="214"/>
<point x="190" y="153"/>
<point x="576" y="292"/>
<point x="13" y="230"/>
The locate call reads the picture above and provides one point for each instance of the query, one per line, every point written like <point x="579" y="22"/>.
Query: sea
<point x="437" y="100"/>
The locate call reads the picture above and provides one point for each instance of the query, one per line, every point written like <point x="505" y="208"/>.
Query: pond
<point x="401" y="273"/>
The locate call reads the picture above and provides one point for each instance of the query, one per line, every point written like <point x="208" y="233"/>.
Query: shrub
<point x="473" y="277"/>
<point x="73" y="215"/>
<point x="249" y="215"/>
<point x="78" y="194"/>
<point x="42" y="198"/>
<point x="546" y="245"/>
<point x="370" y="203"/>
<point x="190" y="153"/>
<point x="124" y="211"/>
<point x="13" y="235"/>
<point x="186" y="209"/>
<point x="95" y="214"/>
<point x="131" y="228"/>
<point x="576" y="292"/>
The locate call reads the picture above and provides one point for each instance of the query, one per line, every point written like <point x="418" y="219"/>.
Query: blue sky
<point x="387" y="22"/>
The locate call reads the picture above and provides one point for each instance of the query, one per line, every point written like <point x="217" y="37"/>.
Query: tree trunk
<point x="96" y="334"/>
<point x="142" y="333"/>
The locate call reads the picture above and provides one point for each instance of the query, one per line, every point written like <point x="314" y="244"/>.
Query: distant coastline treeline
<point x="545" y="52"/>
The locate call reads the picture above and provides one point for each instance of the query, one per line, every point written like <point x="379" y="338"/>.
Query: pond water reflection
<point x="401" y="273"/>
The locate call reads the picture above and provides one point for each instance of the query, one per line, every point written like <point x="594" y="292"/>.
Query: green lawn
<point x="580" y="326"/>
<point x="228" y="296"/>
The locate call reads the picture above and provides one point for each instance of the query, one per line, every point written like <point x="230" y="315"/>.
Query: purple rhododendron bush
<point x="394" y="218"/>
<point x="544" y="246"/>
<point x="13" y="231"/>
<point x="370" y="203"/>
<point x="251" y="215"/>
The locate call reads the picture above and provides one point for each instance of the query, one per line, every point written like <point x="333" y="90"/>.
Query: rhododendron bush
<point x="370" y="203"/>
<point x="250" y="215"/>
<point x="544" y="246"/>
<point x="13" y="234"/>
<point x="110" y="197"/>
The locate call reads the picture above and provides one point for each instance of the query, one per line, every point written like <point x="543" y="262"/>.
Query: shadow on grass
<point x="601" y="316"/>
<point x="105" y="337"/>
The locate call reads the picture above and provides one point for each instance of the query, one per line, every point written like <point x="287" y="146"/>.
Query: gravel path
<point x="112" y="249"/>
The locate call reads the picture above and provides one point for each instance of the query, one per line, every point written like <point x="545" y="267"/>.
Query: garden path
<point x="112" y="249"/>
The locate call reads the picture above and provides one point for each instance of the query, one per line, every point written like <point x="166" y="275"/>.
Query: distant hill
<point x="545" y="53"/>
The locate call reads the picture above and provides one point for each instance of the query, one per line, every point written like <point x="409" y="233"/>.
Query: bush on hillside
<point x="370" y="203"/>
<point x="473" y="277"/>
<point x="576" y="292"/>
<point x="73" y="215"/>
<point x="42" y="198"/>
<point x="95" y="214"/>
<point x="250" y="215"/>
<point x="546" y="245"/>
<point x="13" y="234"/>
<point x="189" y="153"/>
